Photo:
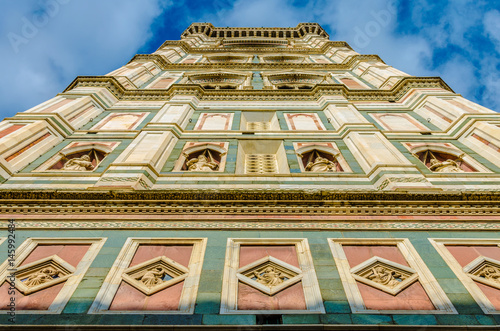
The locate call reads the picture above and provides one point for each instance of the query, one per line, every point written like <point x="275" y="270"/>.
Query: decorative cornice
<point x="348" y="64"/>
<point x="297" y="196"/>
<point x="195" y="50"/>
<point x="397" y="92"/>
<point x="258" y="225"/>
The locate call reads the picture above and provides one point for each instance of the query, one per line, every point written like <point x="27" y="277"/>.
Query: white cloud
<point x="47" y="47"/>
<point x="268" y="13"/>
<point x="96" y="36"/>
<point x="492" y="27"/>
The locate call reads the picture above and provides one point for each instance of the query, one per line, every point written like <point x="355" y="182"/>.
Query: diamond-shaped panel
<point x="269" y="275"/>
<point x="155" y="275"/>
<point x="385" y="275"/>
<point x="42" y="274"/>
<point x="484" y="270"/>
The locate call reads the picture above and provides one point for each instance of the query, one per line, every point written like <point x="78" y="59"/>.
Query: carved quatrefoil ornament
<point x="385" y="275"/>
<point x="484" y="270"/>
<point x="41" y="274"/>
<point x="269" y="275"/>
<point x="155" y="275"/>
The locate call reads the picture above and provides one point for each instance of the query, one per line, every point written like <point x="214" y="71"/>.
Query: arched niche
<point x="319" y="159"/>
<point x="203" y="157"/>
<point x="85" y="158"/>
<point x="443" y="161"/>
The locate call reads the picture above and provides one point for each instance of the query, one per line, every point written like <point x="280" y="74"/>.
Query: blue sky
<point x="45" y="44"/>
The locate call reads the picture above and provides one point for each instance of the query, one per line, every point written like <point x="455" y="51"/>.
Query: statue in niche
<point x="153" y="277"/>
<point x="490" y="273"/>
<point x="385" y="276"/>
<point x="441" y="162"/>
<point x="81" y="163"/>
<point x="203" y="162"/>
<point x="269" y="276"/>
<point x="444" y="166"/>
<point x="317" y="163"/>
<point x="41" y="276"/>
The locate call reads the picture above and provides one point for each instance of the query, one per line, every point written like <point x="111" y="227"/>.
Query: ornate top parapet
<point x="298" y="32"/>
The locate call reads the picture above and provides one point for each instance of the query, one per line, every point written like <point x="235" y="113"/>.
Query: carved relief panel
<point x="158" y="276"/>
<point x="269" y="276"/>
<point x="387" y="276"/>
<point x="476" y="263"/>
<point x="48" y="272"/>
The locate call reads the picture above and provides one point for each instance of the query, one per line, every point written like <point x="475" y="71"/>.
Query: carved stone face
<point x="202" y="158"/>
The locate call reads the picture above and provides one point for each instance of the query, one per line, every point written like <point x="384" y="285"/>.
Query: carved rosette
<point x="42" y="274"/>
<point x="269" y="275"/>
<point x="155" y="275"/>
<point x="485" y="271"/>
<point x="385" y="275"/>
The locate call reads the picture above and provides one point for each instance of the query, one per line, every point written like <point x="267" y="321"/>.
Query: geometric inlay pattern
<point x="155" y="275"/>
<point x="484" y="270"/>
<point x="42" y="274"/>
<point x="269" y="275"/>
<point x="385" y="275"/>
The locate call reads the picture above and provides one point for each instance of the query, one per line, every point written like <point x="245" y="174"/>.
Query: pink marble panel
<point x="291" y="298"/>
<point x="464" y="107"/>
<point x="57" y="105"/>
<point x="351" y="83"/>
<point x="130" y="299"/>
<point x="40" y="300"/>
<point x="411" y="298"/>
<point x="357" y="254"/>
<point x="466" y="254"/>
<point x="10" y="129"/>
<point x="69" y="253"/>
<point x="285" y="253"/>
<point x="163" y="83"/>
<point x="493" y="294"/>
<point x="179" y="253"/>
